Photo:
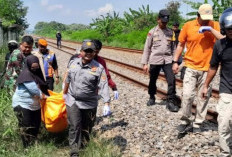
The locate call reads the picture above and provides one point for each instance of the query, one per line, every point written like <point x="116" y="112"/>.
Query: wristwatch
<point x="174" y="61"/>
<point x="57" y="76"/>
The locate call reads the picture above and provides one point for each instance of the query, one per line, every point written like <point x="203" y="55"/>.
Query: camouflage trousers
<point x="224" y="109"/>
<point x="192" y="88"/>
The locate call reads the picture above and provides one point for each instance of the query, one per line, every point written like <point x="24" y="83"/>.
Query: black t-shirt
<point x="225" y="58"/>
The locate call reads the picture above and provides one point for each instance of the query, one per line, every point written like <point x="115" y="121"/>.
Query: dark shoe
<point x="181" y="135"/>
<point x="151" y="102"/>
<point x="171" y="106"/>
<point x="198" y="130"/>
<point x="177" y="101"/>
<point x="184" y="128"/>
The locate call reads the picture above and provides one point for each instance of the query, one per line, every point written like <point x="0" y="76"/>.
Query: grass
<point x="134" y="39"/>
<point x="48" y="144"/>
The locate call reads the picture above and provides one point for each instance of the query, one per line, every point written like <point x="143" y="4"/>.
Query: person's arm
<point x="111" y="83"/>
<point x="33" y="89"/>
<point x="210" y="75"/>
<point x="103" y="87"/>
<point x="147" y="51"/>
<point x="55" y="67"/>
<point x="214" y="30"/>
<point x="178" y="52"/>
<point x="104" y="92"/>
<point x="66" y="84"/>
<point x="217" y="34"/>
<point x="65" y="75"/>
<point x="214" y="63"/>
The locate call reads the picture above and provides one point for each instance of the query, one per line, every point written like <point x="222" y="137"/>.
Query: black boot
<point x="151" y="102"/>
<point x="171" y="106"/>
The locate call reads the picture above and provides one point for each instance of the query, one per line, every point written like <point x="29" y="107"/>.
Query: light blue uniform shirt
<point x="86" y="82"/>
<point x="24" y="96"/>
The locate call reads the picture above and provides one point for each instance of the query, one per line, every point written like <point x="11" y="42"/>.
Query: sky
<point x="83" y="11"/>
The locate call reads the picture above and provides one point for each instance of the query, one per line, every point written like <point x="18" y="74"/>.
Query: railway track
<point x="215" y="92"/>
<point x="105" y="47"/>
<point x="211" y="115"/>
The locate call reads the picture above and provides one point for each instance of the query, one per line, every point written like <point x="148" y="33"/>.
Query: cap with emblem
<point x="88" y="45"/>
<point x="164" y="15"/>
<point x="206" y="12"/>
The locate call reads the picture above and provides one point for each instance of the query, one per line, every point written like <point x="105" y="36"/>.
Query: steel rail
<point x="211" y="115"/>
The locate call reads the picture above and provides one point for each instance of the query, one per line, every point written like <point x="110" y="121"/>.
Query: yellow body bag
<point x="53" y="112"/>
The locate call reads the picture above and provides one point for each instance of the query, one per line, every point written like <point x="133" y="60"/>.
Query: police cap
<point x="88" y="44"/>
<point x="164" y="15"/>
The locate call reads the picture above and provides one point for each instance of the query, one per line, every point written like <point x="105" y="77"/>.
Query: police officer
<point x="158" y="52"/>
<point x="86" y="79"/>
<point x="222" y="55"/>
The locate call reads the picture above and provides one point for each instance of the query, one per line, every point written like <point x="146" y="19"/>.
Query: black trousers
<point x="50" y="82"/>
<point x="81" y="122"/>
<point x="58" y="43"/>
<point x="170" y="77"/>
<point x="29" y="124"/>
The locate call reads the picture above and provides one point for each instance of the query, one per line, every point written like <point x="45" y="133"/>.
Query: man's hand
<point x="64" y="96"/>
<point x="116" y="95"/>
<point x="204" y="28"/>
<point x="175" y="68"/>
<point x="204" y="92"/>
<point x="145" y="68"/>
<point x="106" y="110"/>
<point x="57" y="80"/>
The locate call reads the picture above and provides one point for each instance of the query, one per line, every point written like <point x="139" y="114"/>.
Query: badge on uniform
<point x="103" y="77"/>
<point x="94" y="69"/>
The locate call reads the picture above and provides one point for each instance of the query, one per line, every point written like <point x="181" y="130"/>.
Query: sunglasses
<point x="88" y="51"/>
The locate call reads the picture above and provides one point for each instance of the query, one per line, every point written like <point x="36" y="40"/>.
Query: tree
<point x="13" y="12"/>
<point x="175" y="16"/>
<point x="51" y="27"/>
<point x="218" y="7"/>
<point x="77" y="27"/>
<point x="141" y="19"/>
<point x="108" y="25"/>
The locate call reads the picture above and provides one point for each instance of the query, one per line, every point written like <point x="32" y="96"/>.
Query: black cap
<point x="88" y="44"/>
<point x="176" y="24"/>
<point x="164" y="15"/>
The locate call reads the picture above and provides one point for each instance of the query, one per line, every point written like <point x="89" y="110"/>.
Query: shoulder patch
<point x="103" y="77"/>
<point x="149" y="34"/>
